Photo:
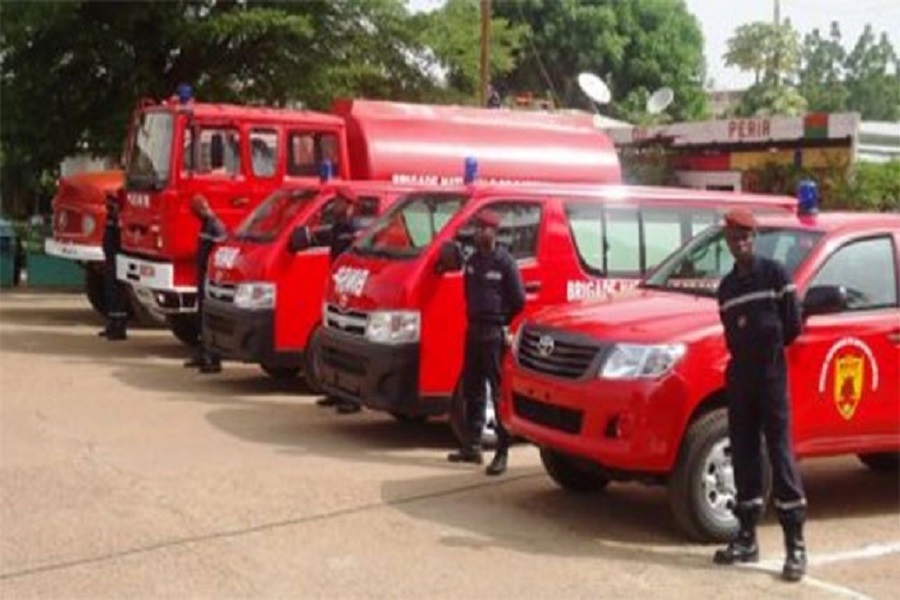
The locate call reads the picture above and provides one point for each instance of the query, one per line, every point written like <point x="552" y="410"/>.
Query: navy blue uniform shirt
<point x="759" y="311"/>
<point x="212" y="231"/>
<point x="495" y="293"/>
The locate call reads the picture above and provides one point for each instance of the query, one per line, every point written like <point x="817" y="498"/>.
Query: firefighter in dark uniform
<point x="341" y="235"/>
<point x="495" y="294"/>
<point x="758" y="307"/>
<point x="113" y="294"/>
<point x="212" y="231"/>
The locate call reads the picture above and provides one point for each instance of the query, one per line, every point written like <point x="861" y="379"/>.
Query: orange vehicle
<point x="236" y="156"/>
<point x="632" y="387"/>
<point x="393" y="323"/>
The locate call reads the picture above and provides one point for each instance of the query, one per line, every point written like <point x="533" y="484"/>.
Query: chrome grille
<point x="220" y="291"/>
<point x="349" y="321"/>
<point x="556" y="353"/>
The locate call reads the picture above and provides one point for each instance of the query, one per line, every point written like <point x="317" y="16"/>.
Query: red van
<point x="393" y="325"/>
<point x="236" y="156"/>
<point x="266" y="282"/>
<point x="632" y="386"/>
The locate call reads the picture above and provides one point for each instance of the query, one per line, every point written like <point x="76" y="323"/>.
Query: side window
<point x="212" y="151"/>
<point x="663" y="232"/>
<point x="263" y="152"/>
<point x="586" y="229"/>
<point x="623" y="252"/>
<point x="306" y="150"/>
<point x="866" y="269"/>
<point x="325" y="215"/>
<point x="519" y="228"/>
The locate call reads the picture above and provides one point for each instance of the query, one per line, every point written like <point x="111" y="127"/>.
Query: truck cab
<point x="235" y="156"/>
<point x="394" y="320"/>
<point x="632" y="387"/>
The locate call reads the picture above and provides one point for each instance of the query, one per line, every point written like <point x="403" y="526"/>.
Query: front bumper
<point x="628" y="426"/>
<point x="154" y="285"/>
<point x="244" y="335"/>
<point x="72" y="251"/>
<point x="378" y="376"/>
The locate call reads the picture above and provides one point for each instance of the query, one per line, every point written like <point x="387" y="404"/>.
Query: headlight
<point x="393" y="327"/>
<point x="255" y="296"/>
<point x="88" y="224"/>
<point x="637" y="361"/>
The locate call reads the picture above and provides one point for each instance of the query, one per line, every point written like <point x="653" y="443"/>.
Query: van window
<point x="410" y="225"/>
<point x="518" y="231"/>
<point x="866" y="269"/>
<point x="263" y="152"/>
<point x="306" y="150"/>
<point x="212" y="151"/>
<point x="150" y="152"/>
<point x="628" y="241"/>
<point x="275" y="213"/>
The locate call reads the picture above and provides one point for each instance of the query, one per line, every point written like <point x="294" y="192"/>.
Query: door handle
<point x="240" y="201"/>
<point x="532" y="287"/>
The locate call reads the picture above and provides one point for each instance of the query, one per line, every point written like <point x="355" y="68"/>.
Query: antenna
<point x="594" y="88"/>
<point x="660" y="100"/>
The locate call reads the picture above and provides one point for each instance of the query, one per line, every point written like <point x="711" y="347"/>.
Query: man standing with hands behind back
<point x="758" y="307"/>
<point x="495" y="294"/>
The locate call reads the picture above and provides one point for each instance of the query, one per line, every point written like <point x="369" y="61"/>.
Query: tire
<point x="573" y="474"/>
<point x="882" y="462"/>
<point x="311" y="371"/>
<point x="458" y="419"/>
<point x="702" y="491"/>
<point x="185" y="327"/>
<point x="281" y="373"/>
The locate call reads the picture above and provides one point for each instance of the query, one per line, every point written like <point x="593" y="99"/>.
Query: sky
<point x="719" y="18"/>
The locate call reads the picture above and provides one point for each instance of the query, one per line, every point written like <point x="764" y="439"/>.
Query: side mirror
<point x="449" y="259"/>
<point x="301" y="239"/>
<point x="824" y="300"/>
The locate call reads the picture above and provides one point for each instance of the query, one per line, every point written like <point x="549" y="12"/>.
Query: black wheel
<point x="882" y="462"/>
<point x="458" y="418"/>
<point x="573" y="474"/>
<point x="702" y="492"/>
<point x="311" y="371"/>
<point x="93" y="289"/>
<point x="185" y="327"/>
<point x="281" y="373"/>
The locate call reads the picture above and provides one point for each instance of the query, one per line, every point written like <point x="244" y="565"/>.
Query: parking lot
<point x="125" y="475"/>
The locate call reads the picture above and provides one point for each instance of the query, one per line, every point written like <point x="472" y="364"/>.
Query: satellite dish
<point x="594" y="88"/>
<point x="660" y="100"/>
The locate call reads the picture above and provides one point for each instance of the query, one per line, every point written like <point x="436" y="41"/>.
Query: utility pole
<point x="484" y="79"/>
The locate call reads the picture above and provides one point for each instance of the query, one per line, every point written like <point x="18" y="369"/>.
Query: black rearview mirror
<point x="300" y="240"/>
<point x="449" y="259"/>
<point x="824" y="300"/>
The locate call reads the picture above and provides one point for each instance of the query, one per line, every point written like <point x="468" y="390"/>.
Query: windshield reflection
<point x="270" y="218"/>
<point x="699" y="266"/>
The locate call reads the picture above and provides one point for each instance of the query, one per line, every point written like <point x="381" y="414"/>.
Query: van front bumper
<point x="378" y="376"/>
<point x="244" y="335"/>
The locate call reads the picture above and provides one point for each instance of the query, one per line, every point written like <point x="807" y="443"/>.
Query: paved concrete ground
<point x="125" y="475"/>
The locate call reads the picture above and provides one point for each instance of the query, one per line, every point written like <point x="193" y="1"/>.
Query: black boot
<point x="328" y="401"/>
<point x="467" y="454"/>
<point x="116" y="330"/>
<point x="743" y="548"/>
<point x="498" y="465"/>
<point x="795" y="552"/>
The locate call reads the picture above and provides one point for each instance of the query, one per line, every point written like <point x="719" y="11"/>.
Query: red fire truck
<point x="236" y="156"/>
<point x="632" y="387"/>
<point x="393" y="324"/>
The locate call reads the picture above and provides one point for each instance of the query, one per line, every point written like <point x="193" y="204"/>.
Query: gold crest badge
<point x="849" y="372"/>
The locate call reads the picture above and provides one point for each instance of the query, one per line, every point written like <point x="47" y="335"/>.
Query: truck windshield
<point x="698" y="266"/>
<point x="151" y="151"/>
<point x="270" y="218"/>
<point x="410" y="225"/>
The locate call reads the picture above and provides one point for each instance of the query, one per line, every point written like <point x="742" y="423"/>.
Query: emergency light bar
<point x="807" y="197"/>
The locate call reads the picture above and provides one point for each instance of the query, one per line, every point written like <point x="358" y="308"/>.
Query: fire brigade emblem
<point x="849" y="373"/>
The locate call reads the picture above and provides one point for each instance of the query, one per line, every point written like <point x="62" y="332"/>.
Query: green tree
<point x="873" y="77"/>
<point x="821" y="72"/>
<point x="73" y="70"/>
<point x="636" y="47"/>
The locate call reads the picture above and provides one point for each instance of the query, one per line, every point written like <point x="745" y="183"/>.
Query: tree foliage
<point x="636" y="47"/>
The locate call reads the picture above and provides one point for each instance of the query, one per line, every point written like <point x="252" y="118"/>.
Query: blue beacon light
<point x="471" y="170"/>
<point x="807" y="197"/>
<point x="184" y="93"/>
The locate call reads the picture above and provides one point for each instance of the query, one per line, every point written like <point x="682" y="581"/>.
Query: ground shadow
<point x="55" y="315"/>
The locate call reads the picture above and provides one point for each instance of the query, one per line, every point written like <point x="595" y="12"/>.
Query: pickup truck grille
<point x="556" y="353"/>
<point x="348" y="321"/>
